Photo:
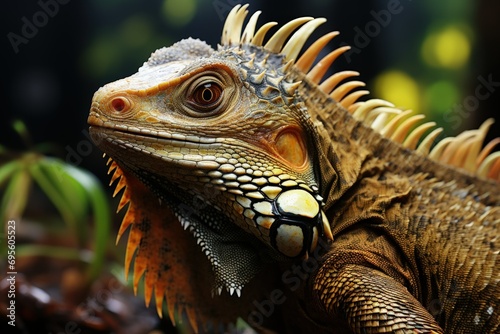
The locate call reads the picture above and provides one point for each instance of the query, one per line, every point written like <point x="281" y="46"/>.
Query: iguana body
<point x="293" y="196"/>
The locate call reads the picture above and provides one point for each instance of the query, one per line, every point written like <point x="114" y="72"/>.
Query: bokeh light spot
<point x="399" y="88"/>
<point x="179" y="13"/>
<point x="447" y="48"/>
<point x="441" y="95"/>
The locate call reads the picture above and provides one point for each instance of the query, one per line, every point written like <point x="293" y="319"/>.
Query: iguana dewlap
<point x="256" y="189"/>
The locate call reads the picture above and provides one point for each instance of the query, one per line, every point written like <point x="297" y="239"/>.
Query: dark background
<point x="48" y="83"/>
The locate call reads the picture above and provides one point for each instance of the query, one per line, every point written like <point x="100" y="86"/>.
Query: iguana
<point x="256" y="189"/>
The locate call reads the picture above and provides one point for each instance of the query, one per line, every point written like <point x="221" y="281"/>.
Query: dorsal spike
<point x="305" y="61"/>
<point x="247" y="36"/>
<point x="296" y="42"/>
<point x="319" y="70"/>
<point x="332" y="81"/>
<point x="402" y="131"/>
<point x="487" y="150"/>
<point x="362" y="111"/>
<point x="425" y="145"/>
<point x="350" y="98"/>
<point x="378" y="117"/>
<point x="391" y="126"/>
<point x="470" y="163"/>
<point x="455" y="145"/>
<point x="237" y="26"/>
<point x="436" y="152"/>
<point x="228" y="25"/>
<point x="258" y="38"/>
<point x="490" y="167"/>
<point x="342" y="90"/>
<point x="413" y="138"/>
<point x="275" y="43"/>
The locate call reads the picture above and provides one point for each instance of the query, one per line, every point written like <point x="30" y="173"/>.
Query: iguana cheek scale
<point x="262" y="161"/>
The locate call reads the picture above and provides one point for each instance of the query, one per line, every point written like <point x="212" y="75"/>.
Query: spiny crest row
<point x="463" y="151"/>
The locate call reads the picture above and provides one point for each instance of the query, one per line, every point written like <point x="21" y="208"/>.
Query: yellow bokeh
<point x="399" y="88"/>
<point x="447" y="48"/>
<point x="179" y="13"/>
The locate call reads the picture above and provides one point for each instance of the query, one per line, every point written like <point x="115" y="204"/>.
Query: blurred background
<point x="426" y="55"/>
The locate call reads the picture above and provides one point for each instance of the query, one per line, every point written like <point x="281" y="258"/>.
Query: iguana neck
<point x="343" y="157"/>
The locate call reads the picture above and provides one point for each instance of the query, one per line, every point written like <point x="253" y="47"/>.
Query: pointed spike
<point x="470" y="162"/>
<point x="490" y="167"/>
<point x="296" y="42"/>
<point x="235" y="36"/>
<point x="389" y="129"/>
<point x="437" y="151"/>
<point x="414" y="137"/>
<point x="159" y="297"/>
<point x="192" y="318"/>
<point x="332" y="81"/>
<point x="116" y="175"/>
<point x="286" y="68"/>
<point x="455" y="144"/>
<point x="259" y="36"/>
<point x="319" y="70"/>
<point x="251" y="63"/>
<point x="112" y="166"/>
<point x="425" y="146"/>
<point x="247" y="36"/>
<point x="342" y="90"/>
<point x="275" y="43"/>
<point x="274" y="81"/>
<point x="459" y="157"/>
<point x="257" y="79"/>
<point x="291" y="88"/>
<point x="374" y="114"/>
<point x="228" y="25"/>
<point x="120" y="185"/>
<point x="353" y="97"/>
<point x="368" y="106"/>
<point x="305" y="61"/>
<point x="402" y="131"/>
<point x="123" y="201"/>
<point x="487" y="150"/>
<point x="171" y="307"/>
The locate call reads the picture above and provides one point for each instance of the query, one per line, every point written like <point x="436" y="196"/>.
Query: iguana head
<point x="225" y="141"/>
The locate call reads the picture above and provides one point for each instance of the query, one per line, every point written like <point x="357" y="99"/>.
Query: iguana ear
<point x="161" y="251"/>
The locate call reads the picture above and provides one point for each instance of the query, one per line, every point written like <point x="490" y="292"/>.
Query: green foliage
<point x="76" y="194"/>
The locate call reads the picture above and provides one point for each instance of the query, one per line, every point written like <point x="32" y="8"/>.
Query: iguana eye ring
<point x="205" y="95"/>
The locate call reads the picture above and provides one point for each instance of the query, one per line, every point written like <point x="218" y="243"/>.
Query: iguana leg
<point x="370" y="301"/>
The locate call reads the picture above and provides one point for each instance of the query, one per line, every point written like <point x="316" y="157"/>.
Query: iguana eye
<point x="205" y="95"/>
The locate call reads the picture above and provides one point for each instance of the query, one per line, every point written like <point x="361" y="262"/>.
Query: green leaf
<point x="55" y="191"/>
<point x="70" y="193"/>
<point x="16" y="195"/>
<point x="102" y="217"/>
<point x="7" y="169"/>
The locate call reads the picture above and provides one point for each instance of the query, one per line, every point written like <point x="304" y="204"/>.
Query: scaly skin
<point x="243" y="173"/>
